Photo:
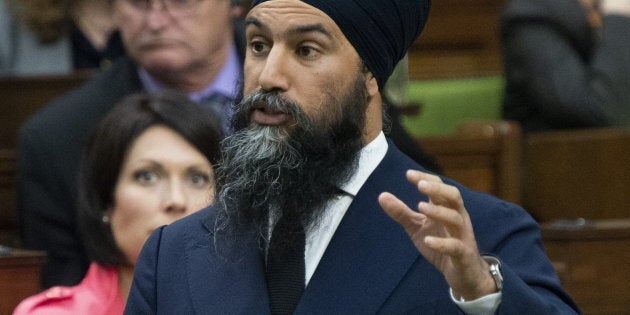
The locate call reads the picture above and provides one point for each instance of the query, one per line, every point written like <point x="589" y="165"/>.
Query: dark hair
<point x="107" y="148"/>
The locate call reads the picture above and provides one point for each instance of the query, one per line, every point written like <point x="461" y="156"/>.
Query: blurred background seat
<point x="20" y="97"/>
<point x="484" y="155"/>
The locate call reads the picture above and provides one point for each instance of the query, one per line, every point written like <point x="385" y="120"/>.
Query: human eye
<point x="199" y="179"/>
<point x="307" y="52"/>
<point x="258" y="47"/>
<point x="145" y="177"/>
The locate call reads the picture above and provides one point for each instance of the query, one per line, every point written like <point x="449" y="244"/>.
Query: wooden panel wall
<point x="19" y="276"/>
<point x="482" y="155"/>
<point x="577" y="183"/>
<point x="592" y="263"/>
<point x="20" y="97"/>
<point x="461" y="39"/>
<point x="578" y="174"/>
<point x="8" y="219"/>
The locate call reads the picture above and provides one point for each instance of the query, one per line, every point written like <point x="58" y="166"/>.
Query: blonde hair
<point x="593" y="13"/>
<point x="48" y="19"/>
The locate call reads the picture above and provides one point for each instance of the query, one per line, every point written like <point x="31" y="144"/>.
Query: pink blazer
<point x="97" y="294"/>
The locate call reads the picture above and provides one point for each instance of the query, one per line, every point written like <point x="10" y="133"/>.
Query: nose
<point x="157" y="16"/>
<point x="274" y="74"/>
<point x="175" y="199"/>
<point x="160" y="4"/>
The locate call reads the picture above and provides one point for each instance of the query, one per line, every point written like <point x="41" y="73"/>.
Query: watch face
<point x="495" y="271"/>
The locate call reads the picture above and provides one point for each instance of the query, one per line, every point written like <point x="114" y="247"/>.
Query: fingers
<point x="447" y="246"/>
<point x="441" y="229"/>
<point x="414" y="176"/>
<point x="399" y="211"/>
<point x="442" y="194"/>
<point x="452" y="220"/>
<point x="449" y="239"/>
<point x="413" y="222"/>
<point x="433" y="186"/>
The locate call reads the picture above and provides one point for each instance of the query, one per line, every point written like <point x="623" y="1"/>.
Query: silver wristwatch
<point x="495" y="271"/>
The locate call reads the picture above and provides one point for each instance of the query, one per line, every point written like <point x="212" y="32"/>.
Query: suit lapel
<point x="235" y="272"/>
<point x="369" y="253"/>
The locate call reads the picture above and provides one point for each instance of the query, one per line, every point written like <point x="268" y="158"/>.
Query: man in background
<point x="567" y="63"/>
<point x="190" y="46"/>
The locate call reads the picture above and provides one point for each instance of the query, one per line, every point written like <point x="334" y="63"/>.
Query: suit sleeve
<point x="143" y="295"/>
<point x="530" y="284"/>
<point x="46" y="211"/>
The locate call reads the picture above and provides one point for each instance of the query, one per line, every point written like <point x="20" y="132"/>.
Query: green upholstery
<point x="445" y="103"/>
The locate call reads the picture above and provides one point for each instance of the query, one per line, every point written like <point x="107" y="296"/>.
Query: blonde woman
<point x="56" y="36"/>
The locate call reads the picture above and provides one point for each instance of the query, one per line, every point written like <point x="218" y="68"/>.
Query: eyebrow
<point x="310" y="28"/>
<point x="301" y="29"/>
<point x="253" y="21"/>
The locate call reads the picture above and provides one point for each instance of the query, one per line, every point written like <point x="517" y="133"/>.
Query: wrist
<point x="491" y="281"/>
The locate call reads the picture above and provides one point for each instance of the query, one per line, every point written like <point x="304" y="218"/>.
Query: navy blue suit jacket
<point x="369" y="267"/>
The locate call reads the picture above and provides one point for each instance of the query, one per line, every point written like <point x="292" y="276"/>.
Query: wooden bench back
<point x="484" y="155"/>
<point x="8" y="220"/>
<point x="21" y="97"/>
<point x="578" y="174"/>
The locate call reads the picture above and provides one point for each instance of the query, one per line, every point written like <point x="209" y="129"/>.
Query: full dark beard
<point x="271" y="171"/>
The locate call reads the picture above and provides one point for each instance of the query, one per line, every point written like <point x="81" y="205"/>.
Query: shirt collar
<point x="226" y="82"/>
<point x="369" y="157"/>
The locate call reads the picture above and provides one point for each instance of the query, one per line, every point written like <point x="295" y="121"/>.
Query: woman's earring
<point x="105" y="219"/>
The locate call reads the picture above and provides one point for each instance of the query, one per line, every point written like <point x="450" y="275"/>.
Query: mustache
<point x="269" y="100"/>
<point x="150" y="39"/>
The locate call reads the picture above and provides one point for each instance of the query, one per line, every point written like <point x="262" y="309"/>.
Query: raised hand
<point x="443" y="234"/>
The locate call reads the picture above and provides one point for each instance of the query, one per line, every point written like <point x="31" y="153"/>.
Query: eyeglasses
<point x="175" y="7"/>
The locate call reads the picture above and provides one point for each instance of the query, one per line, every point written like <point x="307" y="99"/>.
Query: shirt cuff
<point x="485" y="305"/>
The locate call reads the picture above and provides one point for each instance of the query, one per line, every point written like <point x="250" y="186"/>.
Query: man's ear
<point x="371" y="85"/>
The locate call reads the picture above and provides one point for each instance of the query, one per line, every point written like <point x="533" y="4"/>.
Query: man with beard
<point x="299" y="225"/>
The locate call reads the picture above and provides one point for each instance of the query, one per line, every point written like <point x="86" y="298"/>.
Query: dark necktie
<point x="285" y="268"/>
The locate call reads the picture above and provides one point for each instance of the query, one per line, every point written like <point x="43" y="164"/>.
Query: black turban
<point x="380" y="31"/>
